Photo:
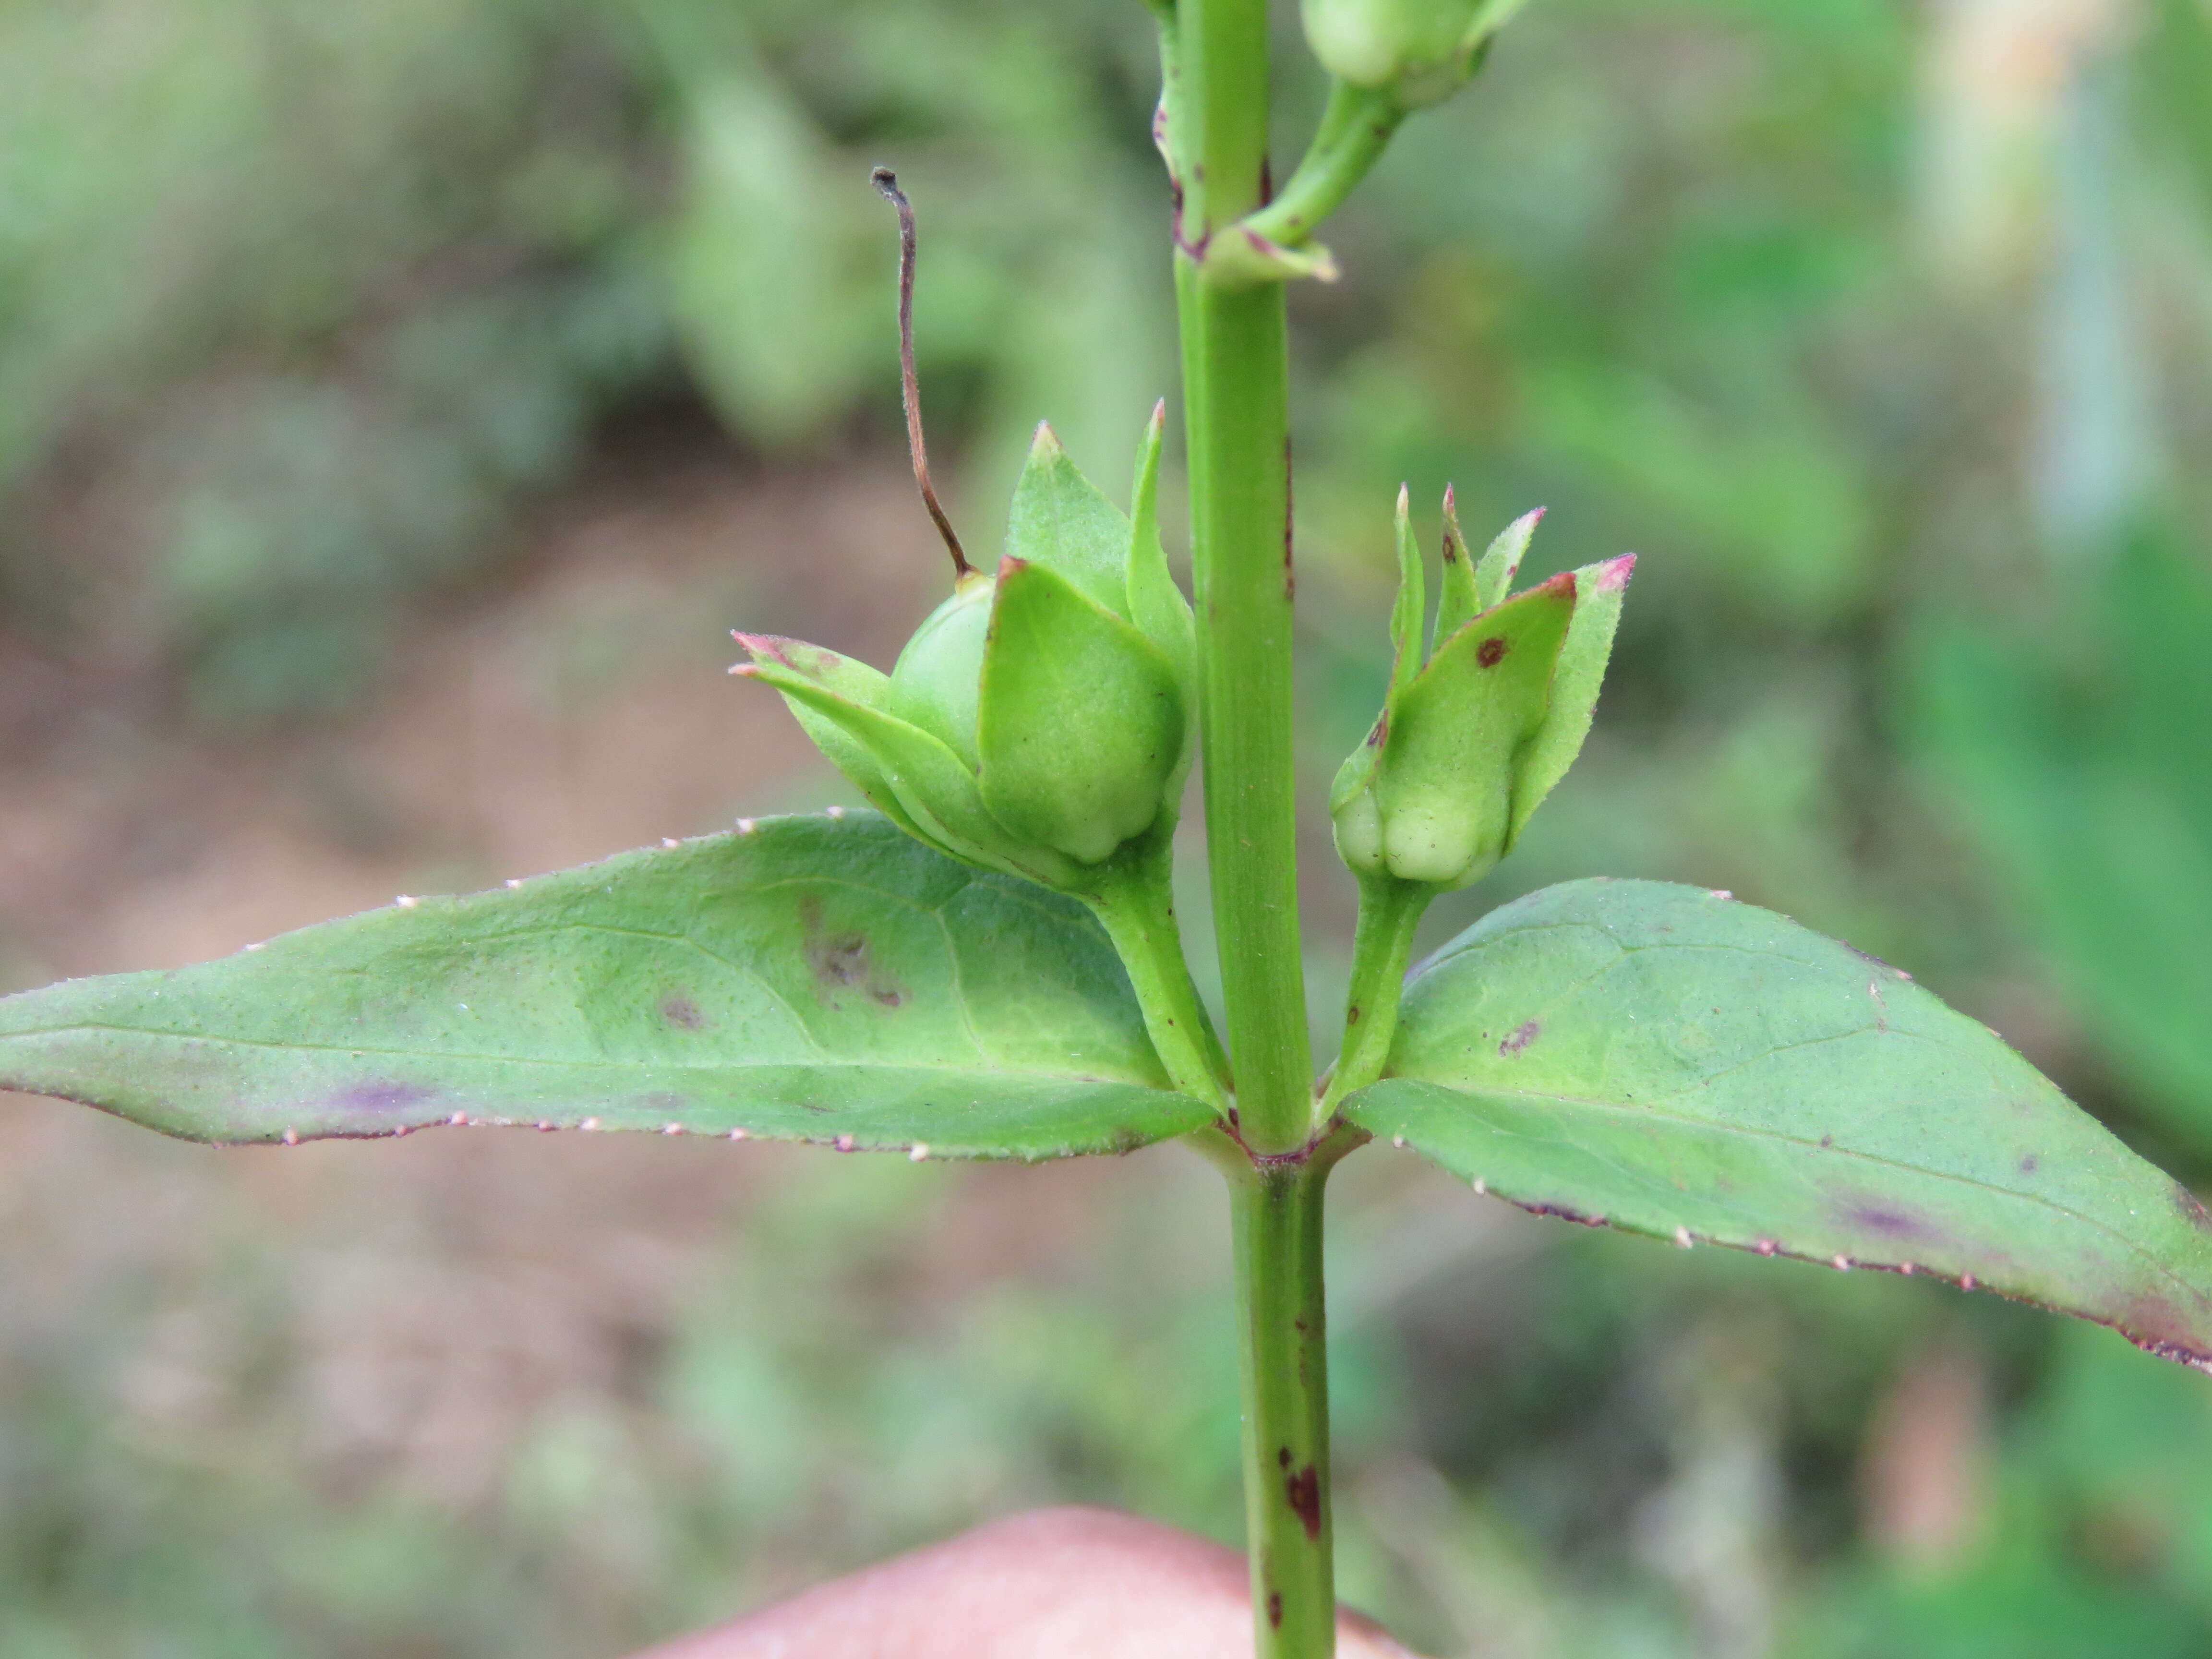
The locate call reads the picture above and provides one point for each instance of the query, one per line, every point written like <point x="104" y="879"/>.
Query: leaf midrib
<point x="989" y="1069"/>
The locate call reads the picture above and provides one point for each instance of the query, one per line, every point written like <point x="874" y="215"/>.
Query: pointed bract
<point x="1599" y="590"/>
<point x="1501" y="561"/>
<point x="1409" y="611"/>
<point x="1060" y="520"/>
<point x="1156" y="603"/>
<point x="843" y="676"/>
<point x="936" y="792"/>
<point x="1458" y="599"/>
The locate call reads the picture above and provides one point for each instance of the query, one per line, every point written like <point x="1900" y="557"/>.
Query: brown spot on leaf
<point x="678" y="1010"/>
<point x="2027" y="1167"/>
<point x="1522" y="1034"/>
<point x="1274" y="1609"/>
<point x="840" y="961"/>
<point x="1283" y="1457"/>
<point x="1302" y="1491"/>
<point x="1491" y="652"/>
<point x="1351" y="1015"/>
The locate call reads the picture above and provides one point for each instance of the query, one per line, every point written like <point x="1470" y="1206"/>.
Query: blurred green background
<point x="399" y="400"/>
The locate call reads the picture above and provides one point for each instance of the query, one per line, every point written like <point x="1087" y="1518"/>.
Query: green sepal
<point x="843" y="677"/>
<point x="1156" y="603"/>
<point x="1060" y="521"/>
<point x="937" y="794"/>
<point x="934" y="679"/>
<point x="1082" y="725"/>
<point x="1459" y="599"/>
<point x="1444" y="791"/>
<point x="1501" y="561"/>
<point x="1599" y="591"/>
<point x="1408" y="611"/>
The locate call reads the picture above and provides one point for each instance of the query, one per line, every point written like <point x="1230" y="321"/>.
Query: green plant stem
<point x="1283" y="1365"/>
<point x="1135" y="900"/>
<point x="1235" y="389"/>
<point x="1389" y="912"/>
<point x="1356" y="127"/>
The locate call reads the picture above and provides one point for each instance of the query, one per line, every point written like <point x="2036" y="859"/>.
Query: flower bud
<point x="1040" y="719"/>
<point x="1421" y="52"/>
<point x="1470" y="742"/>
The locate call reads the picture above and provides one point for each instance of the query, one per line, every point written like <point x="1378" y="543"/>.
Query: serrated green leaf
<point x="1666" y="1060"/>
<point x="1599" y="591"/>
<point x="1082" y="724"/>
<point x="1060" y="520"/>
<point x="810" y="979"/>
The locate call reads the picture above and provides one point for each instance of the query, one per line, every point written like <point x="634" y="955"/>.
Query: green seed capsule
<point x="1039" y="722"/>
<point x="1419" y="51"/>
<point x="1470" y="742"/>
<point x="938" y="675"/>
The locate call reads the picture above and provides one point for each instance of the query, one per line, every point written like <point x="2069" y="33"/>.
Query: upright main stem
<point x="1283" y="1365"/>
<point x="1236" y="399"/>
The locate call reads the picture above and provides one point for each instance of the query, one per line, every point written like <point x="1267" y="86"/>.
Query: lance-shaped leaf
<point x="1663" y="1059"/>
<point x="1060" y="520"/>
<point x="1599" y="591"/>
<point x="809" y="979"/>
<point x="1082" y="723"/>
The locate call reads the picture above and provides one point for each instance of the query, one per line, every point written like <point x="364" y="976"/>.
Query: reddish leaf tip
<point x="1614" y="574"/>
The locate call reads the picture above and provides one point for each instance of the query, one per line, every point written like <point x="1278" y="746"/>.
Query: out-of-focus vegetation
<point x="1883" y="333"/>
